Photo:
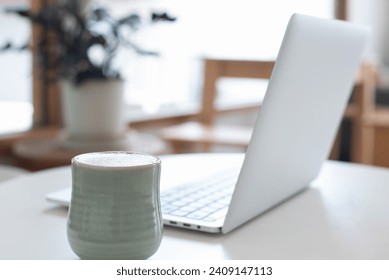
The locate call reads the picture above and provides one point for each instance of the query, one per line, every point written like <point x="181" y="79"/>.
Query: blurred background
<point x="202" y="91"/>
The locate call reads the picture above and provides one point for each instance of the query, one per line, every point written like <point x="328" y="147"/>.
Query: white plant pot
<point x="93" y="114"/>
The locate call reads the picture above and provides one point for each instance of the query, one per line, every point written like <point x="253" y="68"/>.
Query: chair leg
<point x="335" y="151"/>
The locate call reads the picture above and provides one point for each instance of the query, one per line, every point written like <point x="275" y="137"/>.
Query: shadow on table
<point x="288" y="231"/>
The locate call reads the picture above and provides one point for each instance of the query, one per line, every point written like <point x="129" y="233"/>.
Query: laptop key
<point x="198" y="215"/>
<point x="179" y="213"/>
<point x="219" y="214"/>
<point x="168" y="208"/>
<point x="199" y="202"/>
<point x="179" y="203"/>
<point x="209" y="219"/>
<point x="188" y="208"/>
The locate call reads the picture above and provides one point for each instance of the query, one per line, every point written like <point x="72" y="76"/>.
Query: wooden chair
<point x="203" y="132"/>
<point x="361" y="111"/>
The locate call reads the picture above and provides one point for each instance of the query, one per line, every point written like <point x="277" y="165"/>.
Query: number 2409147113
<point x="246" y="270"/>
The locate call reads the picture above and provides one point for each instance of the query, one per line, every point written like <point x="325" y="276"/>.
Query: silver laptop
<point x="299" y="117"/>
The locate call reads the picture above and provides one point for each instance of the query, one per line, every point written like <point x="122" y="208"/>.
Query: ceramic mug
<point x="115" y="210"/>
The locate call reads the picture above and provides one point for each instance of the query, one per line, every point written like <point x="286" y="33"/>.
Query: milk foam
<point x="115" y="159"/>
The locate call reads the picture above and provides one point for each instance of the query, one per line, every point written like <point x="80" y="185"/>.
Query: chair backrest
<point x="220" y="68"/>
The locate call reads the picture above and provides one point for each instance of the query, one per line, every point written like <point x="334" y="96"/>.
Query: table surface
<point x="344" y="214"/>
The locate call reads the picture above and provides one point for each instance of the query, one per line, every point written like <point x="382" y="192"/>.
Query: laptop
<point x="292" y="136"/>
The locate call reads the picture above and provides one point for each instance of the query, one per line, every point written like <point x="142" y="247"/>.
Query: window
<point x="217" y="28"/>
<point x="170" y="83"/>
<point x="15" y="75"/>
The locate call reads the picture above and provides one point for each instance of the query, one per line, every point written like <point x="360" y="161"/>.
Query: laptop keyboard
<point x="205" y="200"/>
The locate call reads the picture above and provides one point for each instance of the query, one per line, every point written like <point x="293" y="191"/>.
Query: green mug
<point x="115" y="210"/>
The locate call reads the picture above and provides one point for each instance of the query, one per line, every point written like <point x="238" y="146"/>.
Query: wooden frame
<point x="47" y="109"/>
<point x="341" y="9"/>
<point x="218" y="68"/>
<point x="204" y="133"/>
<point x="359" y="111"/>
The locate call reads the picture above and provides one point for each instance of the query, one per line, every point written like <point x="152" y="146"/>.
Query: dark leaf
<point x="93" y="73"/>
<point x="6" y="46"/>
<point x="23" y="12"/>
<point x="99" y="14"/>
<point x="24" y="47"/>
<point x="98" y="39"/>
<point x="162" y="17"/>
<point x="134" y="21"/>
<point x="68" y="33"/>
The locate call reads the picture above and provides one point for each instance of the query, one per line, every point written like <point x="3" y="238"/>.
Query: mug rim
<point x="76" y="159"/>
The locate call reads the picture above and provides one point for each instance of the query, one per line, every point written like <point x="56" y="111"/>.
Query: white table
<point x="343" y="215"/>
<point x="9" y="172"/>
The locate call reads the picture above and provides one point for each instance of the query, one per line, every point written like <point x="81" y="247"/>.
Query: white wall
<point x="375" y="14"/>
